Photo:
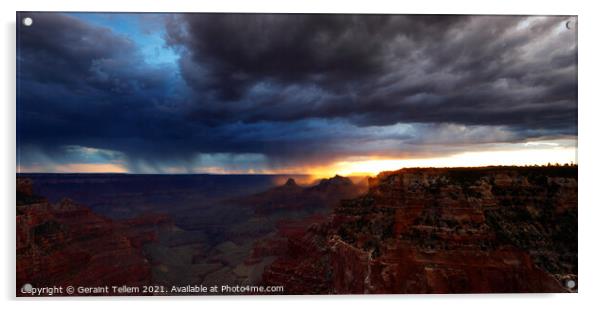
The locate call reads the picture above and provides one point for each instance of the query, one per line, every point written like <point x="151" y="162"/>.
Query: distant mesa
<point x="337" y="180"/>
<point x="323" y="196"/>
<point x="290" y="182"/>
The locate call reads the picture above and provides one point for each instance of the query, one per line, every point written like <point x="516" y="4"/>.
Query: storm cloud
<point x="277" y="90"/>
<point x="382" y="69"/>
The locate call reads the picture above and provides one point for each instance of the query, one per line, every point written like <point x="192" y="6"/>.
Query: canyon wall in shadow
<point x="457" y="230"/>
<point x="171" y="230"/>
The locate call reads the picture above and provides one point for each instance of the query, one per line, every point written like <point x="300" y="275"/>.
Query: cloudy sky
<point x="291" y="93"/>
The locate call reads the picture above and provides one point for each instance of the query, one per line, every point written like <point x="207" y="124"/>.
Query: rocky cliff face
<point x="502" y="229"/>
<point x="464" y="230"/>
<point x="67" y="244"/>
<point x="290" y="196"/>
<point x="305" y="206"/>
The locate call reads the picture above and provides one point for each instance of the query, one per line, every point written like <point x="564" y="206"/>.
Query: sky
<point x="293" y="93"/>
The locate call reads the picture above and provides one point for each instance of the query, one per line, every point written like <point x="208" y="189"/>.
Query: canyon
<point x="422" y="230"/>
<point x="159" y="229"/>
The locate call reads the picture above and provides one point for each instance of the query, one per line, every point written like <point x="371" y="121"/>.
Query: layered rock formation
<point x="67" y="244"/>
<point x="502" y="229"/>
<point x="461" y="230"/>
<point x="290" y="196"/>
<point x="294" y="208"/>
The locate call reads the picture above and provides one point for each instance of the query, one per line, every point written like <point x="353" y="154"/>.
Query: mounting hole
<point x="570" y="284"/>
<point x="27" y="288"/>
<point x="27" y="21"/>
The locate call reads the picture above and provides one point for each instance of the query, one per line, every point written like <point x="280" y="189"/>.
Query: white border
<point x="590" y="216"/>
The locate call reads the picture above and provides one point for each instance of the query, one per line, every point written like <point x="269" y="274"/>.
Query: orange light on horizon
<point x="354" y="166"/>
<point x="76" y="168"/>
<point x="467" y="159"/>
<point x="92" y="168"/>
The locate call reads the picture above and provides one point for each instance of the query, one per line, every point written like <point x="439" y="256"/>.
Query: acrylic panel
<point x="261" y="154"/>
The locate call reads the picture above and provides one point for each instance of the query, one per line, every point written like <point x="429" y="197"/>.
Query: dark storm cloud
<point x="382" y="69"/>
<point x="86" y="85"/>
<point x="61" y="48"/>
<point x="294" y="89"/>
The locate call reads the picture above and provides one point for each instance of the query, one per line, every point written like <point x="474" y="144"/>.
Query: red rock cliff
<point x="67" y="244"/>
<point x="462" y="230"/>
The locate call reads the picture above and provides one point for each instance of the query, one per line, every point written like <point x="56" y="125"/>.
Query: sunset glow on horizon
<point x="467" y="159"/>
<point x="366" y="166"/>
